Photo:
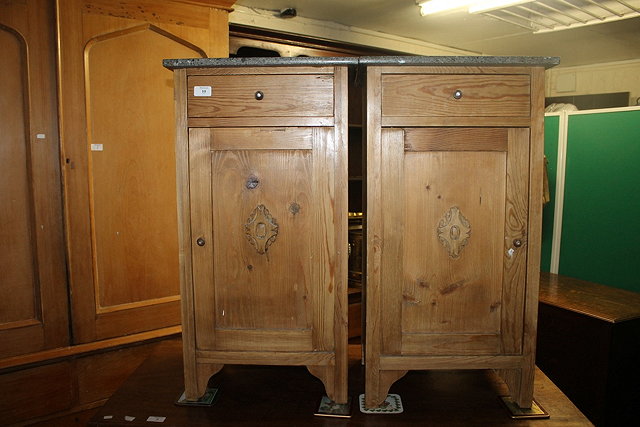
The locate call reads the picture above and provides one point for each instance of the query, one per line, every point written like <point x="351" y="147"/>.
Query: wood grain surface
<point x="282" y="95"/>
<point x="247" y="397"/>
<point x="33" y="283"/>
<point x="433" y="95"/>
<point x="452" y="223"/>
<point x="265" y="262"/>
<point x="602" y="302"/>
<point x="117" y="135"/>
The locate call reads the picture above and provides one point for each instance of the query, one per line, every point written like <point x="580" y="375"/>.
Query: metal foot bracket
<point x="207" y="399"/>
<point x="328" y="408"/>
<point x="517" y="413"/>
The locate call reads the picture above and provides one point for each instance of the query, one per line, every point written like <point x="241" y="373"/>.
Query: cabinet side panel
<point x="324" y="235"/>
<point x="201" y="268"/>
<point x="184" y="232"/>
<point x="392" y="205"/>
<point x="516" y="240"/>
<point x="340" y="206"/>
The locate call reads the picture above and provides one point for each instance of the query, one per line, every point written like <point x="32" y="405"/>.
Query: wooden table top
<point x="289" y="396"/>
<point x="603" y="302"/>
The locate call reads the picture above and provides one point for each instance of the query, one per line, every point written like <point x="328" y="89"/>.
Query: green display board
<point x="551" y="134"/>
<point x="601" y="218"/>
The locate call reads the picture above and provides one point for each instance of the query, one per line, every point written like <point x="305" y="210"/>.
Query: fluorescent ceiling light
<point x="489" y="5"/>
<point x="435" y="6"/>
<point x="474" y="6"/>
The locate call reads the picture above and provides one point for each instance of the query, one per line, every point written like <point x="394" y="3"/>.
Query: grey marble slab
<point x="259" y="62"/>
<point x="531" y="61"/>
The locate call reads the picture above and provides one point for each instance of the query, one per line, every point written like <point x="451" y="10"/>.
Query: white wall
<point x="597" y="78"/>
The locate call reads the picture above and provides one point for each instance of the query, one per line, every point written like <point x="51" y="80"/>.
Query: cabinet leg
<point x="521" y="403"/>
<point x="196" y="379"/>
<point x="377" y="385"/>
<point x="520" y="383"/>
<point x="334" y="380"/>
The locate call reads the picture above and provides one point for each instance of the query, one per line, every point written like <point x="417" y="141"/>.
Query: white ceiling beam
<point x="592" y="22"/>
<point x="581" y="9"/>
<point x="602" y="6"/>
<point x="535" y="23"/>
<point x="562" y="12"/>
<point x="624" y="3"/>
<point x="542" y="15"/>
<point x="508" y="21"/>
<point x="554" y="15"/>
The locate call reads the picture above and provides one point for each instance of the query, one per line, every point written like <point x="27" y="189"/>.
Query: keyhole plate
<point x="454" y="231"/>
<point x="261" y="229"/>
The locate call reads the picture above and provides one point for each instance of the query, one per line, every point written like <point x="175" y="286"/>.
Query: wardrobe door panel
<point x="118" y="140"/>
<point x="33" y="293"/>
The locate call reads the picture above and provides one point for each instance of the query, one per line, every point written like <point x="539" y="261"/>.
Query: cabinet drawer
<point x="436" y="95"/>
<point x="299" y="95"/>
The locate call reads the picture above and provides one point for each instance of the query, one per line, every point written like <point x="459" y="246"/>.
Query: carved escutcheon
<point x="261" y="229"/>
<point x="454" y="231"/>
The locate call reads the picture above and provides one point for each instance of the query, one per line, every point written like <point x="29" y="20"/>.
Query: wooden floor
<point x="289" y="396"/>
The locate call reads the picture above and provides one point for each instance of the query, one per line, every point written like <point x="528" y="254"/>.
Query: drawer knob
<point x="457" y="94"/>
<point x="200" y="241"/>
<point x="517" y="243"/>
<point x="259" y="95"/>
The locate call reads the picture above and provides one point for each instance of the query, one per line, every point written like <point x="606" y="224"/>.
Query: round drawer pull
<point x="457" y="94"/>
<point x="259" y="95"/>
<point x="517" y="243"/>
<point x="200" y="241"/>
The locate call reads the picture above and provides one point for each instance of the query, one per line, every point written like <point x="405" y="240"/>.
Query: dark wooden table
<point x="289" y="396"/>
<point x="588" y="337"/>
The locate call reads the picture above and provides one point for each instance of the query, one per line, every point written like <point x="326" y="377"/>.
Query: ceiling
<point x="481" y="33"/>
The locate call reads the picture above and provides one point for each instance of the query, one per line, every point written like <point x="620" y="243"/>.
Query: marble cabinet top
<point x="528" y="61"/>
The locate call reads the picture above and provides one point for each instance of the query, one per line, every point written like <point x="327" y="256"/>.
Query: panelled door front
<point x="117" y="137"/>
<point x="454" y="202"/>
<point x="33" y="287"/>
<point x="262" y="238"/>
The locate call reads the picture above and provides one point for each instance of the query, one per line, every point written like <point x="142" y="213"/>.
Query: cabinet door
<point x="263" y="228"/>
<point x="118" y="141"/>
<point x="33" y="288"/>
<point x="454" y="204"/>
